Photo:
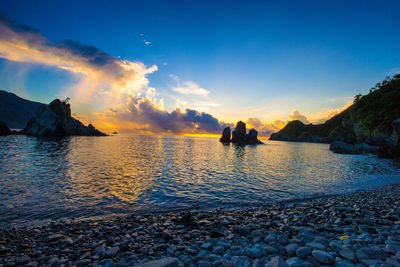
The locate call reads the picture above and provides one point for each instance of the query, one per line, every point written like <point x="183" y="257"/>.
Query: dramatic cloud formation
<point x="142" y="111"/>
<point x="99" y="72"/>
<point x="298" y="116"/>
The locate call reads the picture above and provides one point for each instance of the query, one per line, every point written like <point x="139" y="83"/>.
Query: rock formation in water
<point x="371" y="121"/>
<point x="239" y="135"/>
<point x="54" y="120"/>
<point x="226" y="135"/>
<point x="4" y="130"/>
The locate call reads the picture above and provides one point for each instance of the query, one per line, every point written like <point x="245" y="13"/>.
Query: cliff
<point x="368" y="120"/>
<point x="54" y="120"/>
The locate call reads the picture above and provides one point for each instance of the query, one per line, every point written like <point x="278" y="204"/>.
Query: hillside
<point x="368" y="120"/>
<point x="16" y="111"/>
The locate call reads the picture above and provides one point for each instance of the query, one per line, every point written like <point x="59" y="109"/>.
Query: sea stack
<point x="239" y="135"/>
<point x="54" y="120"/>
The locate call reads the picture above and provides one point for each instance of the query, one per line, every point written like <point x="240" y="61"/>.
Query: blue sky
<point x="261" y="59"/>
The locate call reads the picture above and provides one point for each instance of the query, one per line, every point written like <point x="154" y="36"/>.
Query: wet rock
<point x="164" y="262"/>
<point x="276" y="261"/>
<point x="303" y="252"/>
<point x="254" y="252"/>
<point x="111" y="252"/>
<point x="323" y="257"/>
<point x="226" y="135"/>
<point x="347" y="254"/>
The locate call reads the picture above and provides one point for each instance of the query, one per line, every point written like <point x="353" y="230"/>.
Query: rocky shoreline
<point x="358" y="229"/>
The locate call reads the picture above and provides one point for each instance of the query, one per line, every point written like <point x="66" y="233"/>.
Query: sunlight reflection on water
<point x="94" y="176"/>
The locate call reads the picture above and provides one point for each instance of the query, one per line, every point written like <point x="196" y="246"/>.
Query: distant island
<point x="371" y="124"/>
<point x="15" y="111"/>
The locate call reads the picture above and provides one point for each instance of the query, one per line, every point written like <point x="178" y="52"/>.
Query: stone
<point x="54" y="237"/>
<point x="303" y="252"/>
<point x="111" y="252"/>
<point x="164" y="262"/>
<point x="240" y="261"/>
<point x="22" y="260"/>
<point x="254" y="252"/>
<point x="54" y="120"/>
<point x="226" y="135"/>
<point x="347" y="254"/>
<point x="294" y="261"/>
<point x="83" y="262"/>
<point x="218" y="250"/>
<point x="291" y="249"/>
<point x="347" y="148"/>
<point x="315" y="245"/>
<point x="323" y="257"/>
<point x="276" y="261"/>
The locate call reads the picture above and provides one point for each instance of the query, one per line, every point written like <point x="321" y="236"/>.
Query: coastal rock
<point x="226" y="135"/>
<point x="54" y="120"/>
<point x="390" y="147"/>
<point x="239" y="135"/>
<point x="165" y="262"/>
<point x="4" y="130"/>
<point x="346" y="148"/>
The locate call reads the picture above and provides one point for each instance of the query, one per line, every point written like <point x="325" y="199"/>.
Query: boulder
<point x="251" y="137"/>
<point x="390" y="147"/>
<point x="4" y="130"/>
<point x="226" y="135"/>
<point x="54" y="120"/>
<point x="347" y="148"/>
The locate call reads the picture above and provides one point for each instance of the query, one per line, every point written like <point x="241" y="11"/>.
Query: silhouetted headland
<point x="370" y="125"/>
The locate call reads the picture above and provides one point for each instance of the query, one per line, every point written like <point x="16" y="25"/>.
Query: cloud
<point x="190" y="88"/>
<point x="298" y="116"/>
<point x="143" y="111"/>
<point x="263" y="128"/>
<point x="324" y="115"/>
<point x="99" y="73"/>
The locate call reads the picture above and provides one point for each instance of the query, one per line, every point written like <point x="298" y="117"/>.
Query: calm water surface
<point x="96" y="176"/>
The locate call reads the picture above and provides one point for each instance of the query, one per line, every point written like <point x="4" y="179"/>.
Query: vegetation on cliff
<point x="369" y="119"/>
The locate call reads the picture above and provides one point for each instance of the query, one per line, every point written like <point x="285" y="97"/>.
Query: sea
<point x="85" y="177"/>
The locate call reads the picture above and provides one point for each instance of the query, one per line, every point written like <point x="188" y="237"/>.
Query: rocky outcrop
<point x="371" y="121"/>
<point x="226" y="135"/>
<point x="239" y="135"/>
<point x="4" y="130"/>
<point x="390" y="147"/>
<point x="54" y="120"/>
<point x="348" y="148"/>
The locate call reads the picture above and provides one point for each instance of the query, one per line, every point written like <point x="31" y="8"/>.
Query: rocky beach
<point x="358" y="229"/>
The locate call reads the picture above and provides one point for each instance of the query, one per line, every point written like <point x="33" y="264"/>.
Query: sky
<point x="197" y="66"/>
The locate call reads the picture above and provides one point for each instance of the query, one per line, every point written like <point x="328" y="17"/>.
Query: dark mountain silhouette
<point x="16" y="111"/>
<point x="372" y="119"/>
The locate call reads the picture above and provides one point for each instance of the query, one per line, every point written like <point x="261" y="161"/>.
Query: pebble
<point x="328" y="231"/>
<point x="254" y="252"/>
<point x="303" y="252"/>
<point x="323" y="257"/>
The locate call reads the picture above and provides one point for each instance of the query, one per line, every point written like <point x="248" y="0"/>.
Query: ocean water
<point x="80" y="177"/>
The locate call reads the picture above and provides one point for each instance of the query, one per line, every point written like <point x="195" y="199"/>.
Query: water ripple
<point x="86" y="176"/>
